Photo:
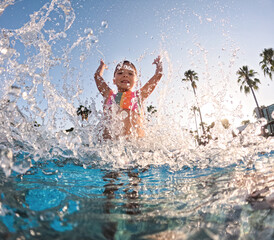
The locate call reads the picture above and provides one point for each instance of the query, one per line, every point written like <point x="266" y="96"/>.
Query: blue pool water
<point x="64" y="200"/>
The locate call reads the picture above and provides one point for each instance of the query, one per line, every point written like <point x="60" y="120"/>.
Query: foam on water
<point x="28" y="58"/>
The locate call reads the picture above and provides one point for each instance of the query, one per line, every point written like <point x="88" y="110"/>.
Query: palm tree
<point x="83" y="111"/>
<point x="194" y="109"/>
<point x="254" y="111"/>
<point x="151" y="109"/>
<point x="192" y="77"/>
<point x="36" y="124"/>
<point x="248" y="82"/>
<point x="267" y="64"/>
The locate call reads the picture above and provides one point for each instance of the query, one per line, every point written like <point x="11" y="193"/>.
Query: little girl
<point x="123" y="111"/>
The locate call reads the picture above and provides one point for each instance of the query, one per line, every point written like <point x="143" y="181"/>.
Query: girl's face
<point x="125" y="78"/>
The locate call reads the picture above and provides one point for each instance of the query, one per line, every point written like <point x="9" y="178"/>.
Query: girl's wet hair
<point x="125" y="62"/>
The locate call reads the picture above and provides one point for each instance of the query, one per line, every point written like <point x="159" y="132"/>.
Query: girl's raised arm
<point x="100" y="82"/>
<point x="148" y="88"/>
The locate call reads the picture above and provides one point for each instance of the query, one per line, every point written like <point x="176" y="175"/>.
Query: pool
<point x="64" y="200"/>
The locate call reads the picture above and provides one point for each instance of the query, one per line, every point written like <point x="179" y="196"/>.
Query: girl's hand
<point x="158" y="62"/>
<point x="100" y="82"/>
<point x="149" y="87"/>
<point x="100" y="70"/>
<point x="103" y="65"/>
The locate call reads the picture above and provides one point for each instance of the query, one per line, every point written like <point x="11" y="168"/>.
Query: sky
<point x="213" y="38"/>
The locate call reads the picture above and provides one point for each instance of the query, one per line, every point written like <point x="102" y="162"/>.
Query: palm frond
<point x="255" y="87"/>
<point x="246" y="89"/>
<point x="267" y="63"/>
<point x="257" y="80"/>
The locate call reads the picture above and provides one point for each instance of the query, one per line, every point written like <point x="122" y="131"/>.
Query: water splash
<point x="33" y="108"/>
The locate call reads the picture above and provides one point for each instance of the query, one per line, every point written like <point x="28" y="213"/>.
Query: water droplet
<point x="3" y="51"/>
<point x="47" y="216"/>
<point x="88" y="31"/>
<point x="94" y="39"/>
<point x="32" y="233"/>
<point x="104" y="24"/>
<point x="50" y="172"/>
<point x="24" y="95"/>
<point x="124" y="115"/>
<point x="83" y="57"/>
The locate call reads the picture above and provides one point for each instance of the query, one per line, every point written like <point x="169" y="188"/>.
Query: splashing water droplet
<point x="83" y="57"/>
<point x="104" y="24"/>
<point x="94" y="39"/>
<point x="24" y="95"/>
<point x="6" y="160"/>
<point x="69" y="14"/>
<point x="124" y="115"/>
<point x="3" y="51"/>
<point x="88" y="31"/>
<point x="47" y="216"/>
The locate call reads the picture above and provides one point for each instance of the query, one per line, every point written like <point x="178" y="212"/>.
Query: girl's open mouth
<point x="125" y="81"/>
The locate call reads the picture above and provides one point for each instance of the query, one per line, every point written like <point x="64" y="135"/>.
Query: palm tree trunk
<point x="196" y="123"/>
<point x="202" y="123"/>
<point x="199" y="110"/>
<point x="260" y="111"/>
